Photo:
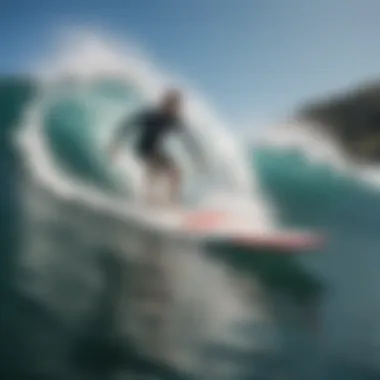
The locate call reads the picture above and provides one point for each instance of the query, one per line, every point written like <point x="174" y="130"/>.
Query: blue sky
<point x="255" y="59"/>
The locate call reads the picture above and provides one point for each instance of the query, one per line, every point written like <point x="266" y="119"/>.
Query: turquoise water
<point x="348" y="212"/>
<point x="78" y="121"/>
<point x="315" y="195"/>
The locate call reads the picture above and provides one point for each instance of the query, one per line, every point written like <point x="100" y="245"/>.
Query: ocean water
<point x="297" y="179"/>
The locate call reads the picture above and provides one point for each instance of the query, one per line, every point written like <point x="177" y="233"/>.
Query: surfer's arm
<point x="126" y="129"/>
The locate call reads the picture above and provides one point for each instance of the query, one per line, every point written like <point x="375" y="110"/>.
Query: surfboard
<point x="222" y="227"/>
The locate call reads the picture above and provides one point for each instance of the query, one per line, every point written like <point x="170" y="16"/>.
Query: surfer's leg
<point x="173" y="176"/>
<point x="161" y="168"/>
<point x="155" y="181"/>
<point x="175" y="183"/>
<point x="151" y="181"/>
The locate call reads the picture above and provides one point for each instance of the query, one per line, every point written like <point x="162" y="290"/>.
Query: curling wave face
<point x="77" y="120"/>
<point x="67" y="129"/>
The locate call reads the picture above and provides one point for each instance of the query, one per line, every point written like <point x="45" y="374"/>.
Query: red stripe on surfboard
<point x="209" y="221"/>
<point x="205" y="220"/>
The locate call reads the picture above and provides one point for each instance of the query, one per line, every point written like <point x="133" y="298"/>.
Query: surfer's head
<point x="171" y="101"/>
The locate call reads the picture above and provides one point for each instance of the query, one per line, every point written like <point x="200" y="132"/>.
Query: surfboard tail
<point x="220" y="229"/>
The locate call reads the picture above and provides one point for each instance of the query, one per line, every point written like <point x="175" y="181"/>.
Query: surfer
<point x="155" y="125"/>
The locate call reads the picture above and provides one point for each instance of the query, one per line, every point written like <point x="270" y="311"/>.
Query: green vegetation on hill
<point x="353" y="118"/>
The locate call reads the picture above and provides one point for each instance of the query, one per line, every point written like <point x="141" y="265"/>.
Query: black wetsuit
<point x="154" y="126"/>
